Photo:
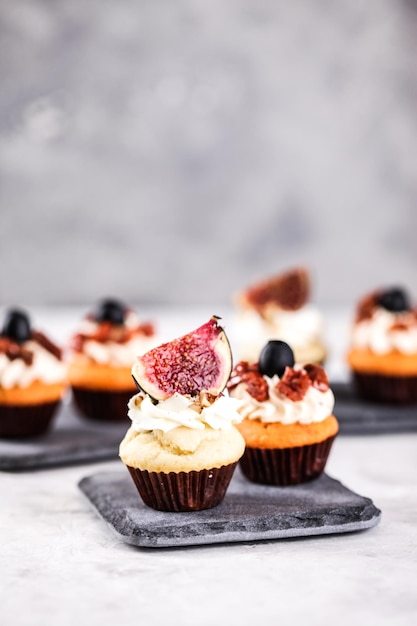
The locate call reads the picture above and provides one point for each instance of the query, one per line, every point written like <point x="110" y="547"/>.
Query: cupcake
<point x="383" y="350"/>
<point x="102" y="353"/>
<point x="288" y="422"/>
<point x="32" y="378"/>
<point x="182" y="447"/>
<point x="279" y="308"/>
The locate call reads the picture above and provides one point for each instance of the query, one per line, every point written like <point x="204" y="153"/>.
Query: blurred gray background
<point x="174" y="152"/>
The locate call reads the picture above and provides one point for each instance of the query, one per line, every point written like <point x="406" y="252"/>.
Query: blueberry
<point x="394" y="300"/>
<point x="275" y="357"/>
<point x="112" y="311"/>
<point x="16" y="326"/>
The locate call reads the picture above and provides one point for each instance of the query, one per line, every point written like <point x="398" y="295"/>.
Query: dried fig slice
<point x="294" y="384"/>
<point x="256" y="386"/>
<point x="198" y="361"/>
<point x="367" y="305"/>
<point x="318" y="376"/>
<point x="290" y="291"/>
<point x="248" y="373"/>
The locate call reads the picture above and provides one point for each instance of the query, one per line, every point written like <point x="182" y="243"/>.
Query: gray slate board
<point x="249" y="512"/>
<point x="357" y="417"/>
<point x="71" y="440"/>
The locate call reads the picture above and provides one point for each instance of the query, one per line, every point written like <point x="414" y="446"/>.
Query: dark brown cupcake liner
<point x="388" y="389"/>
<point x="285" y="466"/>
<point x="25" y="421"/>
<point x="183" y="491"/>
<point x="103" y="406"/>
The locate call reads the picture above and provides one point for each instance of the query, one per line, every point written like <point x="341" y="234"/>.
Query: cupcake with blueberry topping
<point x="288" y="422"/>
<point x="33" y="378"/>
<point x="383" y="350"/>
<point x="102" y="353"/>
<point x="279" y="307"/>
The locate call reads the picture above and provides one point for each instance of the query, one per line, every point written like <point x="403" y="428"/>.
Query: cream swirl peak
<point x="385" y="331"/>
<point x="221" y="413"/>
<point x="26" y="354"/>
<point x="114" y="345"/>
<point x="117" y="354"/>
<point x="298" y="328"/>
<point x="21" y="372"/>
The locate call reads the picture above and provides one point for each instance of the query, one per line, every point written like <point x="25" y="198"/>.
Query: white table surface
<point x="60" y="564"/>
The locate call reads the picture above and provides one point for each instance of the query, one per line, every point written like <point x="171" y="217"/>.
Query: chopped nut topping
<point x="248" y="373"/>
<point x="109" y="332"/>
<point x="399" y="326"/>
<point x="294" y="384"/>
<point x="14" y="351"/>
<point x="207" y="398"/>
<point x="405" y="321"/>
<point x="317" y="375"/>
<point x="256" y="386"/>
<point x="239" y="371"/>
<point x="46" y="343"/>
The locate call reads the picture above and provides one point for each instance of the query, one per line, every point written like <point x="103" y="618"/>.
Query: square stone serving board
<point x="358" y="417"/>
<point x="71" y="440"/>
<point x="249" y="512"/>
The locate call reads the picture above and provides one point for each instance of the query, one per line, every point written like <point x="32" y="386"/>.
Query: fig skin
<point x="198" y="361"/>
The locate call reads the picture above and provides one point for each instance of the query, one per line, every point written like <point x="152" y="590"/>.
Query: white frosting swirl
<point x="298" y="328"/>
<point x="112" y="352"/>
<point x="118" y="354"/>
<point x="379" y="334"/>
<point x="315" y="406"/>
<point x="177" y="410"/>
<point x="45" y="367"/>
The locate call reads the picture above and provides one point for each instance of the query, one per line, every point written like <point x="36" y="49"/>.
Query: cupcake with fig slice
<point x="288" y="422"/>
<point x="183" y="446"/>
<point x="279" y="307"/>
<point x="102" y="352"/>
<point x="33" y="378"/>
<point x="383" y="350"/>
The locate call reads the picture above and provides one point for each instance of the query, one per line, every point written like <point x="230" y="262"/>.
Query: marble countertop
<point x="59" y="562"/>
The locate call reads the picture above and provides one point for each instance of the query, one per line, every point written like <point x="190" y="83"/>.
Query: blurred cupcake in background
<point x="279" y="308"/>
<point x="383" y="350"/>
<point x="102" y="352"/>
<point x="288" y="423"/>
<point x="33" y="378"/>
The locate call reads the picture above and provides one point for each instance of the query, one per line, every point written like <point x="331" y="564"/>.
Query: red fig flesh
<point x="289" y="290"/>
<point x="198" y="361"/>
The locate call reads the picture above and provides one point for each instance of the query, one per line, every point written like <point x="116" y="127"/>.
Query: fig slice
<point x="198" y="361"/>
<point x="367" y="305"/>
<point x="289" y="290"/>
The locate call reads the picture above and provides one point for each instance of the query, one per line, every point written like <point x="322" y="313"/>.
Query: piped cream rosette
<point x="182" y="433"/>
